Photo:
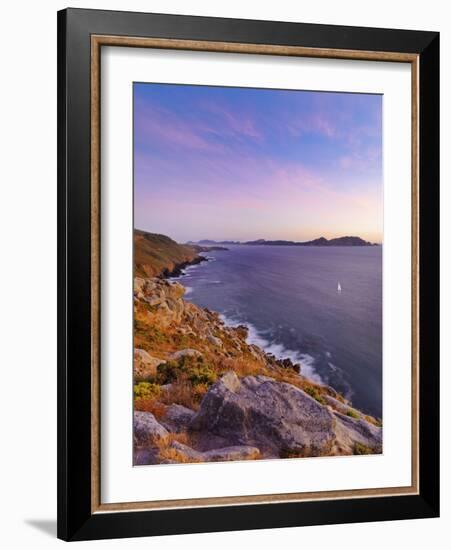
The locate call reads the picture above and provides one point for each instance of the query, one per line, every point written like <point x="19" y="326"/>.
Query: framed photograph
<point x="248" y="274"/>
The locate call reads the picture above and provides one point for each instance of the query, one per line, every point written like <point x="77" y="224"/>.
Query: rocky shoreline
<point x="203" y="393"/>
<point x="179" y="268"/>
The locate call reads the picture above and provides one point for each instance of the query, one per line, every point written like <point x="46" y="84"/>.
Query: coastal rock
<point x="237" y="452"/>
<point x="146" y="428"/>
<point x="288" y="364"/>
<point x="214" y="340"/>
<point x="185" y="353"/>
<point x="143" y="287"/>
<point x="143" y="456"/>
<point x="256" y="351"/>
<point x="262" y="412"/>
<point x="330" y="391"/>
<point x="351" y="431"/>
<point x="281" y="420"/>
<point x="242" y="331"/>
<point x="231" y="382"/>
<point x="164" y="297"/>
<point x="225" y="454"/>
<point x="144" y="365"/>
<point x="176" y="290"/>
<point x="138" y="283"/>
<point x="335" y="404"/>
<point x="171" y="307"/>
<point x="177" y="418"/>
<point x="178" y="269"/>
<point x="187" y="453"/>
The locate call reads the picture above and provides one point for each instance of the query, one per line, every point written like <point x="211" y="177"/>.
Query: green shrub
<point x="313" y="392"/>
<point x="169" y="372"/>
<point x="194" y="371"/>
<point x="146" y="390"/>
<point x="202" y="374"/>
<point x="190" y="368"/>
<point x="352" y="414"/>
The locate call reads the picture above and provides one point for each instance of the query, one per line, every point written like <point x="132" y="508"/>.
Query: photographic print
<point x="258" y="235"/>
<point x="248" y="274"/>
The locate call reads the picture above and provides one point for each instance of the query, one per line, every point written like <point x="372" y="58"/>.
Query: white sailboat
<point x="339" y="288"/>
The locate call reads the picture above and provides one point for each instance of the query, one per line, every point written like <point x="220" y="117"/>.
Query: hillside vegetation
<point x="156" y="255"/>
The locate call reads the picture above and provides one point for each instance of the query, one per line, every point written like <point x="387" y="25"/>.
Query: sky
<point x="242" y="163"/>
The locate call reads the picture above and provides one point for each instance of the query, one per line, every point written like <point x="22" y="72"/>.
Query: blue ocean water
<point x="288" y="297"/>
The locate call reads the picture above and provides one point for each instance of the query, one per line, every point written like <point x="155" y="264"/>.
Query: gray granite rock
<point x="146" y="428"/>
<point x="261" y="412"/>
<point x="185" y="353"/>
<point x="177" y="418"/>
<point x="144" y="364"/>
<point x="236" y="452"/>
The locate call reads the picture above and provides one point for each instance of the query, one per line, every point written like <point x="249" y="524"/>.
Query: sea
<point x="318" y="306"/>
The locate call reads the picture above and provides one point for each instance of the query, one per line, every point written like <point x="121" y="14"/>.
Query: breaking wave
<point x="278" y="350"/>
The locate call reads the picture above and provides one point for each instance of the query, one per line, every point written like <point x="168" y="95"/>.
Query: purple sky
<point x="242" y="163"/>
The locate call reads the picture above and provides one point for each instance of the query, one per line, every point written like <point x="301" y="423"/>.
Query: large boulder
<point x="177" y="418"/>
<point x="165" y="299"/>
<point x="143" y="287"/>
<point x="144" y="365"/>
<point x="275" y="417"/>
<point x="187" y="454"/>
<point x="142" y="456"/>
<point x="146" y="428"/>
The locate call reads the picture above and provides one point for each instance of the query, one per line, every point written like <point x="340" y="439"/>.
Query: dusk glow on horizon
<point x="243" y="163"/>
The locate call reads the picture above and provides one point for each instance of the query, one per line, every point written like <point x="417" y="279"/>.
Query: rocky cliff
<point x="157" y="255"/>
<point x="203" y="393"/>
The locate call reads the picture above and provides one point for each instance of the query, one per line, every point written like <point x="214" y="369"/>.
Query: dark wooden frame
<point x="80" y="35"/>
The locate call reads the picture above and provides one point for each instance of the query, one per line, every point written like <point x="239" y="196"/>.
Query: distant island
<point x="209" y="242"/>
<point x="321" y="241"/>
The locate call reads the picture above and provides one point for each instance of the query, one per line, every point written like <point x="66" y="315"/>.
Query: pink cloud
<point x="161" y="124"/>
<point x="234" y="123"/>
<point x="312" y="124"/>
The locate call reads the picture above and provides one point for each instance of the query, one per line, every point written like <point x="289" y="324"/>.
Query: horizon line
<point x="378" y="241"/>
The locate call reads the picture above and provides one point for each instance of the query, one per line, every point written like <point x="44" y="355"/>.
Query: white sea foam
<point x="186" y="271"/>
<point x="190" y="268"/>
<point x="188" y="290"/>
<point x="278" y="350"/>
<point x="172" y="279"/>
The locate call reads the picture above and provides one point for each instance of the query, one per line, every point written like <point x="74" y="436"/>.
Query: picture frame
<point x="81" y="36"/>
